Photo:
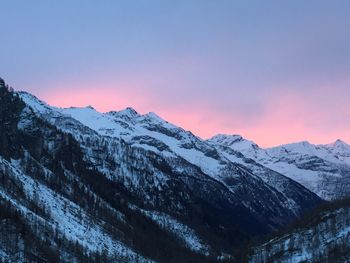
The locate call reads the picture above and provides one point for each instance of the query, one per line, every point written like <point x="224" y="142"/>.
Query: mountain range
<point x="83" y="186"/>
<point x="323" y="169"/>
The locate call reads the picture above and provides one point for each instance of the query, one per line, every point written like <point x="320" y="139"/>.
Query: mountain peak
<point x="295" y="145"/>
<point x="304" y="147"/>
<point x="304" y="144"/>
<point x="338" y="144"/>
<point x="131" y="110"/>
<point x="86" y="108"/>
<point x="90" y="107"/>
<point x="153" y="116"/>
<point x="227" y="137"/>
<point x="127" y="112"/>
<point x="234" y="141"/>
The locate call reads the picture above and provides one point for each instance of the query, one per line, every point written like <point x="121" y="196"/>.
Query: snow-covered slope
<point x="339" y="149"/>
<point x="152" y="133"/>
<point x="98" y="199"/>
<point x="324" y="169"/>
<point x="321" y="237"/>
<point x="66" y="217"/>
<point x="146" y="131"/>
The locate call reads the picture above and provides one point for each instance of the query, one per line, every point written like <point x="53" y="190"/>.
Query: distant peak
<point x="302" y="147"/>
<point x="131" y="111"/>
<point x="305" y="143"/>
<point x="338" y="143"/>
<point x="300" y="143"/>
<point x="152" y="115"/>
<point x="127" y="112"/>
<point x="234" y="137"/>
<point x="234" y="141"/>
<point x="90" y="107"/>
<point x="227" y="139"/>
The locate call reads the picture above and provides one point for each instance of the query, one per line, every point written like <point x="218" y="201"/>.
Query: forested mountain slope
<point x="72" y="193"/>
<point x="321" y="236"/>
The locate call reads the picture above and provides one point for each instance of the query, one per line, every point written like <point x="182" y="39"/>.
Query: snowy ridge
<point x="340" y="150"/>
<point x="147" y="131"/>
<point x="323" y="169"/>
<point x="239" y="143"/>
<point x="152" y="133"/>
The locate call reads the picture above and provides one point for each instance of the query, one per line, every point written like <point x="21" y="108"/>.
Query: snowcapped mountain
<point x="117" y="186"/>
<point x="323" y="169"/>
<point x="340" y="150"/>
<point x="235" y="142"/>
<point x="181" y="148"/>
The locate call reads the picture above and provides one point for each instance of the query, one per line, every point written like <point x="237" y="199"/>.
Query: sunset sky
<point x="272" y="71"/>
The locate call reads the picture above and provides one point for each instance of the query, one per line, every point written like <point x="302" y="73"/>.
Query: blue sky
<point x="274" y="71"/>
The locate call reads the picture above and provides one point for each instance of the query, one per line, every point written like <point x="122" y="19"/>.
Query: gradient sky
<point x="272" y="71"/>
